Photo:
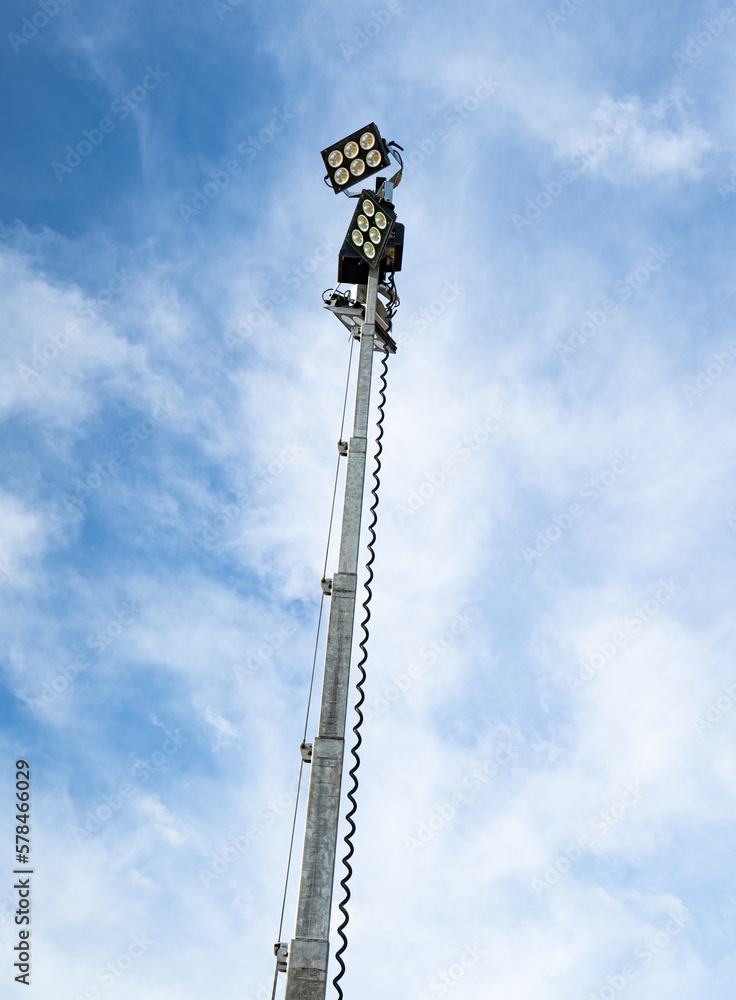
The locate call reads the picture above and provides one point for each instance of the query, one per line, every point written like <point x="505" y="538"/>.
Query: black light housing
<point x="352" y="269"/>
<point x="372" y="223"/>
<point x="356" y="157"/>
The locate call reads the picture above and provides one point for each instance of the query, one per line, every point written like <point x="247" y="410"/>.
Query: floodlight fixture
<point x="352" y="269"/>
<point x="351" y="313"/>
<point x="356" y="157"/>
<point x="371" y="226"/>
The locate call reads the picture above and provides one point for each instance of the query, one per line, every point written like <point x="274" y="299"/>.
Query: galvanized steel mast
<point x="306" y="976"/>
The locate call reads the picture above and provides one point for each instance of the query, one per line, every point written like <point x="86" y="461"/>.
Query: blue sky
<point x="547" y="795"/>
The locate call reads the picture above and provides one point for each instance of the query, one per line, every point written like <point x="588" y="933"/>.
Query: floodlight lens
<point x="357" y="237"/>
<point x="351" y="149"/>
<point x="373" y="158"/>
<point x="380" y="220"/>
<point x="367" y="140"/>
<point x="362" y="222"/>
<point x="374" y="234"/>
<point x="335" y="158"/>
<point x="357" y="167"/>
<point x="369" y="250"/>
<point x="341" y="176"/>
<point x="368" y="207"/>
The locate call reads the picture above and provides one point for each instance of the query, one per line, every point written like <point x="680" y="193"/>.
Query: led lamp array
<point x="355" y="157"/>
<point x="371" y="227"/>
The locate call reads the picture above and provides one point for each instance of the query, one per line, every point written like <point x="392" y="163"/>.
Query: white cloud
<point x="224" y="731"/>
<point x="22" y="534"/>
<point x="627" y="141"/>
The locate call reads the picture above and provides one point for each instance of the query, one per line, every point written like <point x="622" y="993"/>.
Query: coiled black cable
<point x="359" y="687"/>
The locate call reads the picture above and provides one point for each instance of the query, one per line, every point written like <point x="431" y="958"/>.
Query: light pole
<point x="306" y="976"/>
<point x="306" y="957"/>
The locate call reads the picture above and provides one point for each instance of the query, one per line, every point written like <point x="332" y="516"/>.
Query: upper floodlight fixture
<point x="372" y="223"/>
<point x="355" y="157"/>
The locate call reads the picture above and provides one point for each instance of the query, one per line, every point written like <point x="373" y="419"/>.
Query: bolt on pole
<point x="306" y="975"/>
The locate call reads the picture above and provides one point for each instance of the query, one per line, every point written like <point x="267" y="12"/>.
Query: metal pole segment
<point x="306" y="976"/>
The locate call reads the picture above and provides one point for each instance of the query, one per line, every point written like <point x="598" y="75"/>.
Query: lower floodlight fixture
<point x="370" y="228"/>
<point x="348" y="311"/>
<point x="356" y="157"/>
<point x="351" y="313"/>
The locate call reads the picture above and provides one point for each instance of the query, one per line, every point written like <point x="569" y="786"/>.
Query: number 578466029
<point x="23" y="811"/>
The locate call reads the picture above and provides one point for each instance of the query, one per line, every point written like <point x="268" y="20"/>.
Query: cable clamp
<point x="281" y="951"/>
<point x="326" y="587"/>
<point x="342" y="448"/>
<point x="306" y="749"/>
